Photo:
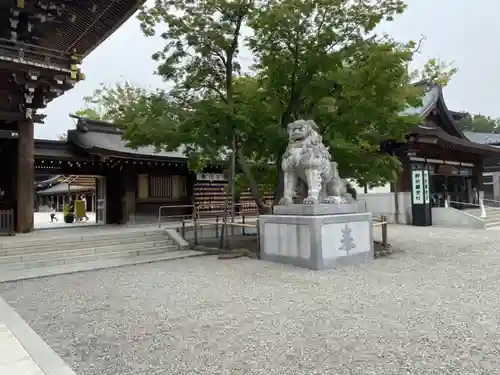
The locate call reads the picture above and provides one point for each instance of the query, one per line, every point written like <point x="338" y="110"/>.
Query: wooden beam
<point x="9" y="134"/>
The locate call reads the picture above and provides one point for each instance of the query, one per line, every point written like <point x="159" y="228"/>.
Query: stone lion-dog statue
<point x="308" y="160"/>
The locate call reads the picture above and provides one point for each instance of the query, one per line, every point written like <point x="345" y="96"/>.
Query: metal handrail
<point x="193" y="214"/>
<point x="466" y="213"/>
<point x="494" y="201"/>
<point x="480" y="205"/>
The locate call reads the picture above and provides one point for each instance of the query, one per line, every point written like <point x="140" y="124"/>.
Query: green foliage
<point x="435" y="71"/>
<point x="91" y="113"/>
<point x="201" y="43"/>
<point x="479" y="123"/>
<point x="107" y="103"/>
<point x="62" y="137"/>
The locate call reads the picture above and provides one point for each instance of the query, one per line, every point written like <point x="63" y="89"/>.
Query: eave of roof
<point x="63" y="188"/>
<point x="483" y="138"/>
<point x="81" y="29"/>
<point x="103" y="138"/>
<point x="51" y="149"/>
<point x="446" y="139"/>
<point x="431" y="100"/>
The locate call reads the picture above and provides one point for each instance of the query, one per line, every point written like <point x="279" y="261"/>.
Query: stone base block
<point x="317" y="242"/>
<point x="316" y="209"/>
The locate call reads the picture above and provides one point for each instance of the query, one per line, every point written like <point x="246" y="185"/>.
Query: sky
<point x="461" y="32"/>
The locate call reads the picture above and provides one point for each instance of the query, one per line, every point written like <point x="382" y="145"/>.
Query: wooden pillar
<point x="191" y="180"/>
<point x="130" y="183"/>
<point x="25" y="177"/>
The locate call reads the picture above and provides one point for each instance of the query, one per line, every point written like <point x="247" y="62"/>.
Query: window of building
<point x="488" y="179"/>
<point x="167" y="187"/>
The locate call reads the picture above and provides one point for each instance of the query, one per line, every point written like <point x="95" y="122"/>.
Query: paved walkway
<point x="42" y="221"/>
<point x="14" y="359"/>
<point x="431" y="308"/>
<point x="22" y="351"/>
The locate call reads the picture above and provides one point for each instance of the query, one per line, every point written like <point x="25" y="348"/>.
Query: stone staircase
<point x="492" y="219"/>
<point x="55" y="252"/>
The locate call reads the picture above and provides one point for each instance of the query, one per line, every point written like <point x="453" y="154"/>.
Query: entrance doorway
<point x="58" y="195"/>
<point x="455" y="184"/>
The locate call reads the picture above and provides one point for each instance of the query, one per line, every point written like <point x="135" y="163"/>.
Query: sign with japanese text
<point x="425" y="184"/>
<point x="417" y="187"/>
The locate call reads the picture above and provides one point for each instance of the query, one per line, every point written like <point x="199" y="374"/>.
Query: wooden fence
<point x="6" y="222"/>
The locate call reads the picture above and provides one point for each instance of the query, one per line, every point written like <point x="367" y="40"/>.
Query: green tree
<point x="479" y="123"/>
<point x="203" y="40"/>
<point x="108" y="102"/>
<point x="322" y="60"/>
<point x="91" y="113"/>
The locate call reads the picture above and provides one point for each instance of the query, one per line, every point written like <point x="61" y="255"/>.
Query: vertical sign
<point x="417" y="193"/>
<point x="425" y="184"/>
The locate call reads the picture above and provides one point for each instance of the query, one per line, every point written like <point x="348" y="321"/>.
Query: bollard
<point x="483" y="209"/>
<point x="384" y="232"/>
<point x="183" y="229"/>
<point x="243" y="222"/>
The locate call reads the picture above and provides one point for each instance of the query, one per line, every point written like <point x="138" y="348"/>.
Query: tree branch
<point x="419" y="44"/>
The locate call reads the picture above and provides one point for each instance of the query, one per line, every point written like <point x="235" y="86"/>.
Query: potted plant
<point x="69" y="216"/>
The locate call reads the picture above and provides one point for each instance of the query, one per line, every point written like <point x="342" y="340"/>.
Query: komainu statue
<point x="307" y="159"/>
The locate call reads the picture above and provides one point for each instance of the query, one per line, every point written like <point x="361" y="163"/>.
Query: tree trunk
<point x="254" y="187"/>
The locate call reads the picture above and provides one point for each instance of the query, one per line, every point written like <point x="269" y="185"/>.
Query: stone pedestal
<point x="317" y="236"/>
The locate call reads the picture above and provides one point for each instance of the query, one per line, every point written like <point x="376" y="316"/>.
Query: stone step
<point x="43" y="247"/>
<point x="492" y="213"/>
<point x="10" y="275"/>
<point x="491" y="224"/>
<point x="92" y="249"/>
<point x="89" y="257"/>
<point x="47" y="240"/>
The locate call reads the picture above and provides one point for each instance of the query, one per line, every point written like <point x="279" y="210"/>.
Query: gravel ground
<point x="431" y="308"/>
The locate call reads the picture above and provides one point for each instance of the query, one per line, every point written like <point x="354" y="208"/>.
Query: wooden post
<point x="217" y="226"/>
<point x="25" y="177"/>
<point x="243" y="222"/>
<point x="195" y="231"/>
<point x="258" y="238"/>
<point x="384" y="232"/>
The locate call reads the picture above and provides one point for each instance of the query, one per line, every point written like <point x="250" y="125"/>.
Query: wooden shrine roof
<point x="104" y="138"/>
<point x="483" y="138"/>
<point x="438" y="136"/>
<point x="440" y="127"/>
<point x="81" y="25"/>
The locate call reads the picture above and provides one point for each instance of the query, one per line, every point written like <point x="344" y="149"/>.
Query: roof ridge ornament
<point x="81" y="125"/>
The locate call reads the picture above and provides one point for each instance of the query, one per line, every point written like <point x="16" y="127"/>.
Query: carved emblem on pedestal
<point x="347" y="242"/>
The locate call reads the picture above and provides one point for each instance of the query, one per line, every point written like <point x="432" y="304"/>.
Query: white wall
<point x="384" y="204"/>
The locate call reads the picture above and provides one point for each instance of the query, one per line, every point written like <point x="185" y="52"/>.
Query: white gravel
<point x="431" y="309"/>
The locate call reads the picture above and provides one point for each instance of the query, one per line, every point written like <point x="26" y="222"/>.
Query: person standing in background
<point x="82" y="197"/>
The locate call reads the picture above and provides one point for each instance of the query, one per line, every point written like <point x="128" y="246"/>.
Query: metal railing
<point x="492" y="203"/>
<point x="176" y="216"/>
<point x="7" y="222"/>
<point x="480" y="206"/>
